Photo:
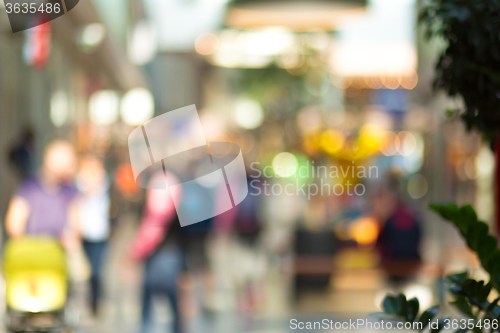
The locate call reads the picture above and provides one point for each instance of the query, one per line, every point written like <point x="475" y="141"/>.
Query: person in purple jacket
<point x="42" y="204"/>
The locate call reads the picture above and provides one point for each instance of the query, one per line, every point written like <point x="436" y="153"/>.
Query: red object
<point x="158" y="215"/>
<point x="38" y="44"/>
<point x="125" y="181"/>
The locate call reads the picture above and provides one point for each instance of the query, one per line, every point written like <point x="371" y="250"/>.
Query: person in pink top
<point x="159" y="214"/>
<point x="163" y="244"/>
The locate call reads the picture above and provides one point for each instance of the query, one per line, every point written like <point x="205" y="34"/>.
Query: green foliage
<point x="476" y="235"/>
<point x="398" y="308"/>
<point x="268" y="84"/>
<point x="469" y="67"/>
<point x="470" y="296"/>
<point x="279" y="92"/>
<point x="428" y="315"/>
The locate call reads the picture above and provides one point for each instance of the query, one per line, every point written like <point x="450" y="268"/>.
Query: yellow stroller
<point x="36" y="279"/>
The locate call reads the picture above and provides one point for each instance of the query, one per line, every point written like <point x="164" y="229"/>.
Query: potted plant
<point x="468" y="69"/>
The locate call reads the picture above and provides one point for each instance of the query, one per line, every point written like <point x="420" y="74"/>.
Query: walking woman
<point x="93" y="215"/>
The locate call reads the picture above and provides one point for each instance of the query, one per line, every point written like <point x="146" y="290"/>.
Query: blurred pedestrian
<point x="21" y="154"/>
<point x="170" y="249"/>
<point x="93" y="217"/>
<point x="399" y="240"/>
<point x="42" y="204"/>
<point x="161" y="251"/>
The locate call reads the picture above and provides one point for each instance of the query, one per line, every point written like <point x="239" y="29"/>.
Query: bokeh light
<point x="59" y="108"/>
<point x="206" y="43"/>
<point x="370" y="136"/>
<point x="422" y="293"/>
<point x="104" y="107"/>
<point x="373" y="82"/>
<point x="413" y="163"/>
<point x="408" y="143"/>
<point x="269" y="41"/>
<point x="305" y="169"/>
<point x="390" y="82"/>
<point x="358" y="83"/>
<point x="91" y="37"/>
<point x="485" y="163"/>
<point x="409" y="81"/>
<point x="364" y="231"/>
<point x="142" y="45"/>
<point x="285" y="165"/>
<point x="137" y="106"/>
<point x="248" y="114"/>
<point x="389" y="143"/>
<point x="332" y="141"/>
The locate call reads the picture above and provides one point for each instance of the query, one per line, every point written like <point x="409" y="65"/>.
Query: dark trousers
<point x="96" y="252"/>
<point x="161" y="273"/>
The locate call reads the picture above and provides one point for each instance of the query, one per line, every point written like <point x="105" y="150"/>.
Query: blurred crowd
<point x="68" y="198"/>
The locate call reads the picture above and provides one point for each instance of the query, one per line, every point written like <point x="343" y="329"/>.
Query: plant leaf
<point x="458" y="278"/>
<point x="428" y="315"/>
<point x="463" y="306"/>
<point x="401" y="303"/>
<point x="484" y="292"/>
<point x="389" y="305"/>
<point x="412" y="307"/>
<point x="492" y="304"/>
<point x="486" y="248"/>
